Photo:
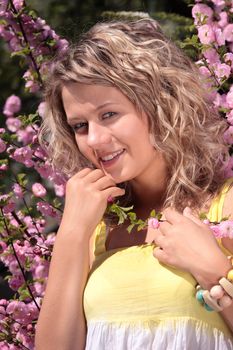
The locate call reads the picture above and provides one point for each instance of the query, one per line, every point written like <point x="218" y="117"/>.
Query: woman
<point x="128" y="119"/>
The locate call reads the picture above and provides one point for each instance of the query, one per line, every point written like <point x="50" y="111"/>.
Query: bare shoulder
<point x="228" y="204"/>
<point x="228" y="212"/>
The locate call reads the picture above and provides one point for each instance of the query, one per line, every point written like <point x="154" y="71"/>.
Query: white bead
<point x="216" y="292"/>
<point x="225" y="301"/>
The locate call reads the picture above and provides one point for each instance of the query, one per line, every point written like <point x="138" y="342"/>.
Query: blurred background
<point x="70" y="18"/>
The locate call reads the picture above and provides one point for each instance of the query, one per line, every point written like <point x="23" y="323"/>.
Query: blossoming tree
<point x="26" y="207"/>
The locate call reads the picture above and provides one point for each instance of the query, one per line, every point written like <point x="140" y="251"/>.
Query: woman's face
<point x="109" y="131"/>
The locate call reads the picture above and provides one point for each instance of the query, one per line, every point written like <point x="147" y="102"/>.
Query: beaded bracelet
<point x="220" y="296"/>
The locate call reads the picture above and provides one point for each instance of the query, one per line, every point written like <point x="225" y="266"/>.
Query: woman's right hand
<point x="87" y="193"/>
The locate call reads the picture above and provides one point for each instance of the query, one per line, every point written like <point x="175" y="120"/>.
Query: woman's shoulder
<point x="228" y="213"/>
<point x="228" y="202"/>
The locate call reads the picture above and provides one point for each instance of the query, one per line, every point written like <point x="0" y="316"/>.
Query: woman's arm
<point x="188" y="244"/>
<point x="227" y="314"/>
<point x="61" y="324"/>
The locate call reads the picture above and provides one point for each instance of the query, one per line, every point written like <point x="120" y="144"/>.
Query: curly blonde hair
<point x="158" y="78"/>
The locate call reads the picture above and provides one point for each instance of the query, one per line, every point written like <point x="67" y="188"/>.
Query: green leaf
<point x="152" y="214"/>
<point x="24" y="52"/>
<point x="130" y="227"/>
<point x="132" y="216"/>
<point x="141" y="227"/>
<point x="126" y="208"/>
<point x="202" y="216"/>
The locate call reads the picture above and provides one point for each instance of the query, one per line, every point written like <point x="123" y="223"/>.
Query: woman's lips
<point x="108" y="163"/>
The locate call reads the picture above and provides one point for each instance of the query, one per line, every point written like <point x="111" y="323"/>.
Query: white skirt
<point x="182" y="334"/>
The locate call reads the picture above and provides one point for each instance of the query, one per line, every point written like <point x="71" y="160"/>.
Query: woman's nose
<point x="97" y="135"/>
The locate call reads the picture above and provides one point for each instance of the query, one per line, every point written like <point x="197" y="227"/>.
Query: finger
<point x="187" y="212"/>
<point x="83" y="172"/>
<point x="160" y="255"/>
<point x="165" y="227"/>
<point x="104" y="182"/>
<point x="113" y="192"/>
<point x="173" y="216"/>
<point x="94" y="175"/>
<point x="159" y="239"/>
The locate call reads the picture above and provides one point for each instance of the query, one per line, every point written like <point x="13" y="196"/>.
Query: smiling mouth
<point x="111" y="158"/>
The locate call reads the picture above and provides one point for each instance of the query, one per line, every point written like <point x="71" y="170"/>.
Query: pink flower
<point x="24" y="155"/>
<point x="229" y="98"/>
<point x="3" y="246"/>
<point x="42" y="270"/>
<point x="13" y="124"/>
<point x="228" y="59"/>
<point x="219" y="36"/>
<point x="2" y="146"/>
<point x="228" y="135"/>
<point x="18" y="191"/>
<point x="60" y="190"/>
<point x="15" y="282"/>
<point x="222" y="70"/>
<point x="206" y="34"/>
<point x="9" y="207"/>
<point x="44" y="169"/>
<point x="42" y="109"/>
<point x="18" y="4"/>
<point x="153" y="223"/>
<point x="46" y="209"/>
<point x="219" y="2"/>
<point x="226" y="228"/>
<point x="204" y="71"/>
<point x="229" y="117"/>
<point x="202" y="14"/>
<point x="223" y="19"/>
<point x="228" y="32"/>
<point x="26" y="135"/>
<point x="212" y="56"/>
<point x="38" y="190"/>
<point x="12" y="106"/>
<point x="216" y="231"/>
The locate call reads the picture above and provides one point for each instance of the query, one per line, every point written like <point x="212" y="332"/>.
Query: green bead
<point x="199" y="296"/>
<point x="208" y="308"/>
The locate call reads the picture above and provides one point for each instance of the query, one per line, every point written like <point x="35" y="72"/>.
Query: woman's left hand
<point x="188" y="244"/>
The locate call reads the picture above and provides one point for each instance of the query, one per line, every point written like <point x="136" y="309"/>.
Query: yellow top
<point x="129" y="285"/>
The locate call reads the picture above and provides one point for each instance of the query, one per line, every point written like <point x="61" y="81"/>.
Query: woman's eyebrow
<point x="75" y="118"/>
<point x="106" y="104"/>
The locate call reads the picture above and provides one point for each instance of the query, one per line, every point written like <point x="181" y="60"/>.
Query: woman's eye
<point x="79" y="127"/>
<point x="108" y="115"/>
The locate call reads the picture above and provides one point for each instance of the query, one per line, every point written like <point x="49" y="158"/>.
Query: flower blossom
<point x="18" y="191"/>
<point x="46" y="209"/>
<point x="153" y="223"/>
<point x="228" y="135"/>
<point x="24" y="155"/>
<point x="228" y="32"/>
<point x="202" y="14"/>
<point x="2" y="146"/>
<point x="13" y="124"/>
<point x="38" y="190"/>
<point x="206" y="34"/>
<point x="12" y="106"/>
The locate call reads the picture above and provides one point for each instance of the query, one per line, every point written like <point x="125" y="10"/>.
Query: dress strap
<point x="100" y="238"/>
<point x="216" y="209"/>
